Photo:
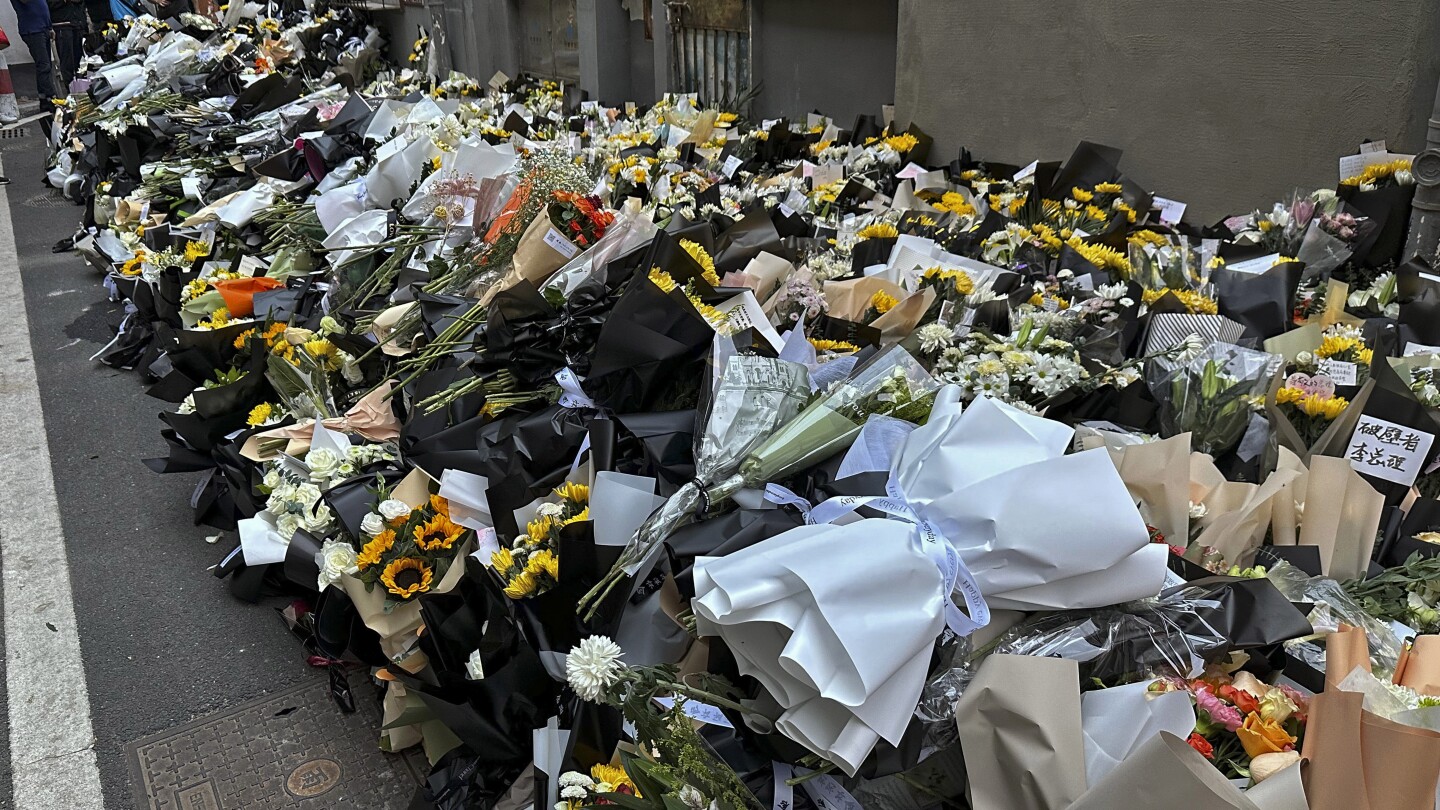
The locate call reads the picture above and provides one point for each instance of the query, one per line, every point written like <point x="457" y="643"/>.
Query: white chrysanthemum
<point x="550" y="510"/>
<point x="573" y="792"/>
<point x="575" y="778"/>
<point x="933" y="337"/>
<point x="593" y="666"/>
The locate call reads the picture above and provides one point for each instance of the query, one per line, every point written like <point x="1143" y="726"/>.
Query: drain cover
<point x="291" y="749"/>
<point x="49" y="198"/>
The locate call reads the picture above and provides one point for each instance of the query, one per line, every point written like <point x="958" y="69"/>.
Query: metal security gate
<point x="550" y="40"/>
<point x="710" y="48"/>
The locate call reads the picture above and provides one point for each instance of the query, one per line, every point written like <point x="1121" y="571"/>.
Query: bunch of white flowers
<point x="1016" y="369"/>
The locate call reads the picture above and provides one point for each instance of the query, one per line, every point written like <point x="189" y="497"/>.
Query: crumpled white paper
<point x="837" y="623"/>
<point x="1038" y="529"/>
<point x="1116" y="722"/>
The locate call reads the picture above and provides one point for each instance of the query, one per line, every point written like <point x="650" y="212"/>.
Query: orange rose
<point x="1260" y="736"/>
<point x="1242" y="699"/>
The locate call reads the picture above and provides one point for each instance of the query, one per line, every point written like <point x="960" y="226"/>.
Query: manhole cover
<point x="49" y="198"/>
<point x="291" y="749"/>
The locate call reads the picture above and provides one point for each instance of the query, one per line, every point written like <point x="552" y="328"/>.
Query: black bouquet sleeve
<point x="1263" y="303"/>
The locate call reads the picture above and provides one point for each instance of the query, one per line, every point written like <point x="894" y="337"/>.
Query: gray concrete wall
<point x="1226" y="105"/>
<point x="837" y="56"/>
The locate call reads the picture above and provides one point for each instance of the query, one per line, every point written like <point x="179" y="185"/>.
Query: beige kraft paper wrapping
<point x="1359" y="761"/>
<point x="1239" y="513"/>
<point x="397" y="627"/>
<point x="1342" y="514"/>
<point x="851" y="298"/>
<point x="1157" y="474"/>
<point x="1019" y="724"/>
<point x="536" y="258"/>
<point x="371" y="417"/>
<point x="1419" y="666"/>
<point x="900" y="321"/>
<point x="1165" y="774"/>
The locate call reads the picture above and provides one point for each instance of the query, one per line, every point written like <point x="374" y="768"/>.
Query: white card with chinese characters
<point x="1387" y="450"/>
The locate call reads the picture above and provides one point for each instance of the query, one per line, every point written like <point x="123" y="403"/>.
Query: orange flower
<point x="1261" y="736"/>
<point x="1244" y="701"/>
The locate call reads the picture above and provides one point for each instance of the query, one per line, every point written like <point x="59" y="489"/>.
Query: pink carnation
<point x="1220" y="712"/>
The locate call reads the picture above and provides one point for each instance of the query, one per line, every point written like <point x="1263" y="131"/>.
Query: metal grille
<point x="710" y="42"/>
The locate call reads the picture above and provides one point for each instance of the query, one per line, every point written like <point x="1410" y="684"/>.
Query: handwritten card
<point x="1383" y="449"/>
<point x="1341" y="372"/>
<point x="732" y="165"/>
<point x="1171" y="211"/>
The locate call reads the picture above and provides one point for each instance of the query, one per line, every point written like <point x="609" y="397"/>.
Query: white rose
<point x="271" y="480"/>
<point x="334" y="558"/>
<point x="318" y="520"/>
<point x="392" y="509"/>
<point x="306" y="495"/>
<point x="373" y="524"/>
<point x="350" y="369"/>
<point x="323" y="463"/>
<point x="287" y="524"/>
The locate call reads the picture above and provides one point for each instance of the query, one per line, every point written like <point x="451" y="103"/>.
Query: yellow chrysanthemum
<point x="707" y="264"/>
<point x="260" y="414"/>
<point x="878" y="230"/>
<point x="538" y="529"/>
<point x="1096" y="212"/>
<point x="195" y="250"/>
<point x="544" y="562"/>
<point x="1288" y="395"/>
<point x="579" y="517"/>
<point x="1081" y="195"/>
<point x="1193" y="301"/>
<point x="836" y="346"/>
<point x="1106" y="258"/>
<point x="325" y="353"/>
<point x="1109" y="188"/>
<point x="407" y="576"/>
<point x="955" y="202"/>
<point x="661" y="279"/>
<point x="375" y="550"/>
<point x="882" y="302"/>
<point x="503" y="561"/>
<point x="903" y="142"/>
<point x="437" y="533"/>
<point x="1145" y="237"/>
<point x="218" y="318"/>
<point x="522" y="585"/>
<point x="242" y="338"/>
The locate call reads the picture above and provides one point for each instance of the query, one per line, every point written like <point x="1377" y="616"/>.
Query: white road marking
<point x="52" y="741"/>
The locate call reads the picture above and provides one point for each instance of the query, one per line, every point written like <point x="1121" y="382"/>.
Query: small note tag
<point x="732" y="165"/>
<point x="1341" y="372"/>
<point x="562" y="245"/>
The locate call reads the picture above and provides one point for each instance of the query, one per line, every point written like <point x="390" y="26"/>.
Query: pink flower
<point x="1220" y="712"/>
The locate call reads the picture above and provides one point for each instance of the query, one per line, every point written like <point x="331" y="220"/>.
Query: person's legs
<point x="39" y="45"/>
<point x="67" y="51"/>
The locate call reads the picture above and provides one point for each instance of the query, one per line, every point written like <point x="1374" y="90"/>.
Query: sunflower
<point x="879" y="230"/>
<point x="407" y="576"/>
<point x="837" y="346"/>
<point x="440" y="505"/>
<point x="577" y="493"/>
<point x="707" y="264"/>
<point x="375" y="549"/>
<point x="613" y="776"/>
<point x="437" y="533"/>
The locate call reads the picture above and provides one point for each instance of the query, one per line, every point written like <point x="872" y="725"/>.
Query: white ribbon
<point x="936" y="546"/>
<point x="574" y="396"/>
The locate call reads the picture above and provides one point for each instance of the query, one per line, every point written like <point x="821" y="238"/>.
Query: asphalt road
<point x="162" y="640"/>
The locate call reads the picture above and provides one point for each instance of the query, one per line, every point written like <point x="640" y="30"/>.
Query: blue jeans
<point x="39" y="45"/>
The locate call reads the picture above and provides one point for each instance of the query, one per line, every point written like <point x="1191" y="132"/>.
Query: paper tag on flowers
<point x="1171" y="211"/>
<point x="826" y="792"/>
<point x="732" y="165"/>
<point x="1341" y="372"/>
<point x="1383" y="449"/>
<point x="562" y="245"/>
<point x="784" y="793"/>
<point x="695" y="710"/>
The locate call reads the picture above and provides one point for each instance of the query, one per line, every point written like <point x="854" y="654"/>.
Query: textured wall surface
<point x="835" y="56"/>
<point x="1226" y="105"/>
